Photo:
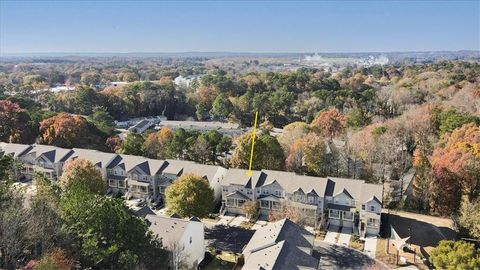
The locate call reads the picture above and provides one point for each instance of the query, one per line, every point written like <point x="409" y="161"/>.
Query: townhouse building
<point x="133" y="176"/>
<point x="332" y="201"/>
<point x="45" y="159"/>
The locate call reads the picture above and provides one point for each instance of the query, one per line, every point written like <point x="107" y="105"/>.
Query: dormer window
<point x="372" y="208"/>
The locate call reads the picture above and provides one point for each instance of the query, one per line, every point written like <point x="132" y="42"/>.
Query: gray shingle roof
<point x="15" y="149"/>
<point x="280" y="245"/>
<point x="291" y="182"/>
<point x="170" y="230"/>
<point x="52" y="153"/>
<point x="101" y="159"/>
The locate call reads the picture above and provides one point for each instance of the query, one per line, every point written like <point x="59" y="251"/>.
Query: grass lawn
<point x="356" y="243"/>
<point x="224" y="260"/>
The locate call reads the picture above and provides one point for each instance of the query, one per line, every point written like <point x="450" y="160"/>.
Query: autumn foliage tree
<point x="64" y="130"/>
<point x="57" y="259"/>
<point x="330" y="123"/>
<point x="156" y="143"/>
<point x="81" y="172"/>
<point x="456" y="168"/>
<point x="308" y="155"/>
<point x="14" y="123"/>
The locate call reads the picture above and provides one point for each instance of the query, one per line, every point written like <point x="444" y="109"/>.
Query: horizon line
<point x="67" y="53"/>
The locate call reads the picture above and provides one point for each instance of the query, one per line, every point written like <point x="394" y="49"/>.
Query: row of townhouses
<point x="348" y="203"/>
<point x="133" y="176"/>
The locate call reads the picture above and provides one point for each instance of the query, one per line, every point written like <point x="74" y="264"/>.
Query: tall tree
<point x="102" y="120"/>
<point x="221" y="108"/>
<point x="133" y="144"/>
<point x="65" y="130"/>
<point x="156" y="144"/>
<point x="108" y="234"/>
<point x="453" y="255"/>
<point x="268" y="154"/>
<point x="82" y="172"/>
<point x="456" y="165"/>
<point x="330" y="123"/>
<point x="190" y="195"/>
<point x="15" y="123"/>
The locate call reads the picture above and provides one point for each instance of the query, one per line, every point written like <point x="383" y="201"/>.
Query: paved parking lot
<point x="370" y="246"/>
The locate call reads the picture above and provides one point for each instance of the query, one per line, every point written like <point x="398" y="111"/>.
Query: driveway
<point x="225" y="220"/>
<point x="226" y="238"/>
<point x="331" y="237"/>
<point x="339" y="257"/>
<point x="259" y="224"/>
<point x="344" y="237"/>
<point x="236" y="221"/>
<point x="370" y="246"/>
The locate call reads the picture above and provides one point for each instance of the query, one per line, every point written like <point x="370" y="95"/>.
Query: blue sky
<point x="238" y="26"/>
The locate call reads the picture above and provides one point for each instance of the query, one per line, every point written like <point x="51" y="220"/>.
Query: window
<point x="311" y="199"/>
<point x="334" y="213"/>
<point x="265" y="191"/>
<point x="240" y="203"/>
<point x="264" y="204"/>
<point x="363" y="206"/>
<point x="121" y="183"/>
<point x="278" y="193"/>
<point x="258" y="191"/>
<point x="249" y="192"/>
<point x="275" y="205"/>
<point x="190" y="239"/>
<point x="372" y="222"/>
<point x="225" y="189"/>
<point x="372" y="208"/>
<point x="336" y="200"/>
<point x="112" y="183"/>
<point x="230" y="202"/>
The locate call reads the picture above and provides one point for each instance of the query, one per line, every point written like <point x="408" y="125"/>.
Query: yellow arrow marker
<point x="249" y="173"/>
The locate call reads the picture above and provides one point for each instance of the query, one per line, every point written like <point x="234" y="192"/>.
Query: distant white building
<point x="61" y="88"/>
<point x="185" y="81"/>
<point x="185" y="239"/>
